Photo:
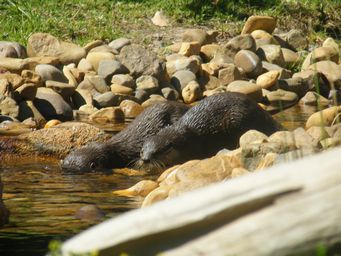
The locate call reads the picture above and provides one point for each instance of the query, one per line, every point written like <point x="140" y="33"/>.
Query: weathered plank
<point x="285" y="210"/>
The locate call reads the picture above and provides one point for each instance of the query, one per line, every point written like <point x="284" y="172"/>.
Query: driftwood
<point x="289" y="209"/>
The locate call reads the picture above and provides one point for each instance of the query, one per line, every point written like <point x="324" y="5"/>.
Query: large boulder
<point x="42" y="44"/>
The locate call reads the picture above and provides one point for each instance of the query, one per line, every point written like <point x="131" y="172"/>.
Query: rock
<point x="52" y="105"/>
<point x="252" y="90"/>
<point x="97" y="82"/>
<point x="319" y="133"/>
<point x="211" y="69"/>
<point x="140" y="61"/>
<point x="189" y="49"/>
<point x="108" y="68"/>
<point x="142" y="188"/>
<point x="32" y="62"/>
<point x="25" y="92"/>
<point x="82" y="97"/>
<point x="170" y="93"/>
<point x="259" y="22"/>
<point x="251" y="137"/>
<point x="90" y="213"/>
<point x="192" y="92"/>
<point x="13" y="65"/>
<point x="316" y="81"/>
<point x="320" y="54"/>
<point x="314" y="99"/>
<point x="303" y="139"/>
<point x="223" y="56"/>
<point x="192" y="175"/>
<point x="297" y="39"/>
<point x="94" y="58"/>
<point x="160" y="19"/>
<point x="121" y="89"/>
<point x="141" y="95"/>
<point x="85" y="65"/>
<point x="198" y="35"/>
<point x="119" y="43"/>
<point x="330" y="69"/>
<point x="249" y="62"/>
<point x="285" y="140"/>
<point x="296" y="85"/>
<point x="42" y="44"/>
<point x="69" y="76"/>
<point x="64" y="89"/>
<point x="208" y="51"/>
<point x="27" y="110"/>
<point x="49" y="72"/>
<point x="104" y="48"/>
<point x="30" y="76"/>
<point x="153" y="100"/>
<point x="6" y="88"/>
<point x="210" y="82"/>
<point x="330" y="42"/>
<point x="281" y="99"/>
<point x="15" y="80"/>
<point x="228" y="74"/>
<point x="324" y="117"/>
<point x="181" y="78"/>
<point x="241" y="42"/>
<point x="88" y="109"/>
<point x="130" y="108"/>
<point x="89" y="46"/>
<point x="262" y="37"/>
<point x="290" y="57"/>
<point x="8" y="107"/>
<point x="107" y="99"/>
<point x="272" y="54"/>
<point x="182" y="63"/>
<point x="124" y="80"/>
<point x="268" y="80"/>
<point x="19" y="50"/>
<point x="8" y="51"/>
<point x="147" y="83"/>
<point x="108" y="115"/>
<point x="284" y="73"/>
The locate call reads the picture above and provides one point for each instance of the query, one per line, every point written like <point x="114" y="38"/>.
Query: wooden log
<point x="289" y="209"/>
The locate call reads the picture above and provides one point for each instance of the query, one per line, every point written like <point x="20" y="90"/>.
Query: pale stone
<point x="268" y="79"/>
<point x="259" y="22"/>
<point x="323" y="118"/>
<point x="192" y="92"/>
<point x="108" y="115"/>
<point x="254" y="91"/>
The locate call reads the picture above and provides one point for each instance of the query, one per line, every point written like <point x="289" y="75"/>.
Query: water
<point x="43" y="199"/>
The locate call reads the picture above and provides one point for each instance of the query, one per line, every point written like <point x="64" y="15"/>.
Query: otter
<point x="215" y="123"/>
<point x="124" y="147"/>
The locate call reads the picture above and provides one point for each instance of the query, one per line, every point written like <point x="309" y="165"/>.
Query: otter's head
<point x="158" y="152"/>
<point x="94" y="157"/>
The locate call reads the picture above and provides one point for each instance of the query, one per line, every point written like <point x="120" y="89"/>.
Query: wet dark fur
<point x="124" y="147"/>
<point x="217" y="122"/>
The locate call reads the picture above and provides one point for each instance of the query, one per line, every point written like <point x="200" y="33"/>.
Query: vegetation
<point x="85" y="20"/>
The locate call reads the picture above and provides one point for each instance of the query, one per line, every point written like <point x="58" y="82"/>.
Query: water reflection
<point x="43" y="201"/>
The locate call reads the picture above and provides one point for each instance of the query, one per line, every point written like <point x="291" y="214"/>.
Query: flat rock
<point x="262" y="37"/>
<point x="108" y="115"/>
<point x="119" y="43"/>
<point x="141" y="61"/>
<point x="97" y="82"/>
<point x="108" y="68"/>
<point x="52" y="105"/>
<point x="107" y="99"/>
<point x="131" y="109"/>
<point x="42" y="44"/>
<point x="268" y="79"/>
<point x="241" y="42"/>
<point x="282" y="99"/>
<point x="94" y="58"/>
<point x="64" y="89"/>
<point x="251" y="89"/>
<point x="124" y="80"/>
<point x="13" y="65"/>
<point x="259" y="22"/>
<point x="147" y="83"/>
<point x="284" y="73"/>
<point x="121" y="89"/>
<point x="49" y="72"/>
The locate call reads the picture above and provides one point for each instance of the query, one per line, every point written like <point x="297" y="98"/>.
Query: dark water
<point x="43" y="199"/>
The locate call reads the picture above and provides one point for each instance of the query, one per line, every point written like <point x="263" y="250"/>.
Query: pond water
<point x="43" y="199"/>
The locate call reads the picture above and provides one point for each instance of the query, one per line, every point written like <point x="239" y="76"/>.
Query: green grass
<point x="82" y="21"/>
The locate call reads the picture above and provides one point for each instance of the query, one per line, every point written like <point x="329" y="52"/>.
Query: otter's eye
<point x="93" y="165"/>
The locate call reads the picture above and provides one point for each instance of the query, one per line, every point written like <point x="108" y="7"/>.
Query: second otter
<point x="217" y="122"/>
